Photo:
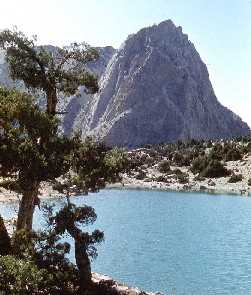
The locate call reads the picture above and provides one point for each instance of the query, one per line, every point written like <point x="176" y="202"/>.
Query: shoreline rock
<point x="120" y="287"/>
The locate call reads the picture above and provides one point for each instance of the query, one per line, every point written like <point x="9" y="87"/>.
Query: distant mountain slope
<point x="78" y="106"/>
<point x="154" y="89"/>
<point x="157" y="89"/>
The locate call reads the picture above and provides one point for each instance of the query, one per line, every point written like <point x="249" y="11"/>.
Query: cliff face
<point x="79" y="106"/>
<point x="154" y="89"/>
<point x="157" y="89"/>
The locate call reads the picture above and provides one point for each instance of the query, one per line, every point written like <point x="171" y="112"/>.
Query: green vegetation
<point x="233" y="154"/>
<point x="235" y="178"/>
<point x="199" y="164"/>
<point x="205" y="159"/>
<point x="21" y="276"/>
<point x="33" y="150"/>
<point x="141" y="175"/>
<point x="214" y="169"/>
<point x="161" y="178"/>
<point x="5" y="243"/>
<point x="24" y="123"/>
<point x="164" y="166"/>
<point x="183" y="178"/>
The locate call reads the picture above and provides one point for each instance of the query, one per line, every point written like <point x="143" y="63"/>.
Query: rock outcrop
<point x="157" y="89"/>
<point x="154" y="89"/>
<point x="119" y="288"/>
<point x="78" y="107"/>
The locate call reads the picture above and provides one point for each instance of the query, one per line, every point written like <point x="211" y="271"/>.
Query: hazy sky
<point x="220" y="30"/>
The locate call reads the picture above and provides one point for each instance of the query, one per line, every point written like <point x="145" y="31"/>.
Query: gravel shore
<point x="46" y="191"/>
<point x="209" y="185"/>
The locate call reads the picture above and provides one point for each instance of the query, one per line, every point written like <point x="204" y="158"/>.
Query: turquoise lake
<point x="175" y="243"/>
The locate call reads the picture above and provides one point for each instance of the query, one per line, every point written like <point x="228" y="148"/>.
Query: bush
<point x="217" y="152"/>
<point x="183" y="178"/>
<point x="46" y="253"/>
<point x="149" y="161"/>
<point x="164" y="166"/>
<point x="23" y="277"/>
<point x="177" y="172"/>
<point x="233" y="155"/>
<point x="209" y="144"/>
<point x="181" y="159"/>
<point x="19" y="276"/>
<point x="199" y="164"/>
<point x="249" y="182"/>
<point x="161" y="178"/>
<point x="215" y="169"/>
<point x="141" y="175"/>
<point x="199" y="178"/>
<point x="235" y="178"/>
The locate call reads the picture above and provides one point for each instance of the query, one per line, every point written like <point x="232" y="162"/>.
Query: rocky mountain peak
<point x="156" y="89"/>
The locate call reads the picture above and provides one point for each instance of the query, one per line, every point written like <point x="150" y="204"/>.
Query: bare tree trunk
<point x="5" y="245"/>
<point x="84" y="267"/>
<point x="26" y="207"/>
<point x="51" y="101"/>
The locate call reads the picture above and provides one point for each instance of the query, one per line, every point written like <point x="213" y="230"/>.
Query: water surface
<point x="177" y="243"/>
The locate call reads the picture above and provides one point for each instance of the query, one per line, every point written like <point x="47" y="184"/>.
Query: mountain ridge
<point x="154" y="70"/>
<point x="155" y="88"/>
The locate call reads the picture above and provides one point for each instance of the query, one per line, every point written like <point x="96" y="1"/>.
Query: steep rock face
<point x="157" y="89"/>
<point x="78" y="107"/>
<point x="154" y="89"/>
<point x="75" y="106"/>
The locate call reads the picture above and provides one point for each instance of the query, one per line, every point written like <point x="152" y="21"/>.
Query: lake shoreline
<point x="193" y="204"/>
<point x="150" y="178"/>
<point x="122" y="288"/>
<point x="146" y="175"/>
<point x="156" y="186"/>
<point x="46" y="192"/>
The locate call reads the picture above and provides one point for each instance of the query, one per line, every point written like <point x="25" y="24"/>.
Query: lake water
<point x="177" y="243"/>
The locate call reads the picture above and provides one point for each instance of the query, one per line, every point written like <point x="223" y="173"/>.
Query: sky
<point x="219" y="29"/>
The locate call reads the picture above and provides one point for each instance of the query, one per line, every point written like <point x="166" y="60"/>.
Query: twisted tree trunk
<point x="82" y="258"/>
<point x="30" y="196"/>
<point x="27" y="206"/>
<point x="51" y="94"/>
<point x="84" y="267"/>
<point x="5" y="245"/>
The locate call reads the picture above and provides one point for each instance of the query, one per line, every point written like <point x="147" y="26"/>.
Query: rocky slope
<point x="221" y="167"/>
<point x="79" y="106"/>
<point x="153" y="179"/>
<point x="157" y="89"/>
<point x="154" y="89"/>
<point x="202" y="166"/>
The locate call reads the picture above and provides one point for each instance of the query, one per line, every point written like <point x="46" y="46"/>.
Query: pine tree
<point x="52" y="72"/>
<point x="32" y="150"/>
